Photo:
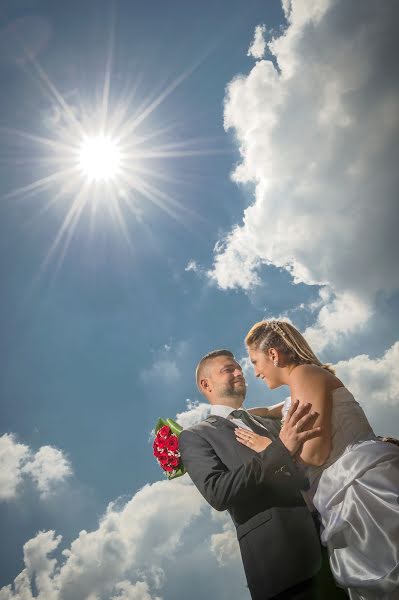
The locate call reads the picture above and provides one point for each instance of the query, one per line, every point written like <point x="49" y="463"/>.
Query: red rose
<point x="157" y="450"/>
<point x="173" y="462"/>
<point x="172" y="443"/>
<point x="164" y="431"/>
<point x="163" y="460"/>
<point x="168" y="468"/>
<point x="161" y="443"/>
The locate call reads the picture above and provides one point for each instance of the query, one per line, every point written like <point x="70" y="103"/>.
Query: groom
<point x="278" y="541"/>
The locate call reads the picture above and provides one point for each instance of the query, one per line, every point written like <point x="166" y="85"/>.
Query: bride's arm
<point x="268" y="411"/>
<point x="310" y="385"/>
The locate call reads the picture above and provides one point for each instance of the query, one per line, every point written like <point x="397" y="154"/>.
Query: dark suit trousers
<point x="321" y="587"/>
<point x="302" y="591"/>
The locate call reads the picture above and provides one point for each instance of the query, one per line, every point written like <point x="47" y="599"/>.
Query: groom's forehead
<point x="220" y="362"/>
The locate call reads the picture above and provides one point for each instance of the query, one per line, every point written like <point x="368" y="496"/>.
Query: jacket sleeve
<point x="223" y="487"/>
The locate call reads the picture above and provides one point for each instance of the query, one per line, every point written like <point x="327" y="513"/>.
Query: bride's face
<point x="264" y="368"/>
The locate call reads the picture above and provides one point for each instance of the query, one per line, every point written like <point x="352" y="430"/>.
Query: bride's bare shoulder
<point x="313" y="374"/>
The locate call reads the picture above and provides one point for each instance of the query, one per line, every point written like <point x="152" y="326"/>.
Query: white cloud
<point x="137" y="591"/>
<point x="164" y="529"/>
<point x="341" y="315"/>
<point x="145" y="531"/>
<point x="12" y="457"/>
<point x="375" y="384"/>
<point x="317" y="131"/>
<point x="258" y="45"/>
<point x="192" y="266"/>
<point x="196" y="412"/>
<point x="47" y="467"/>
<point x="224" y="544"/>
<point x="38" y="567"/>
<point x="37" y="562"/>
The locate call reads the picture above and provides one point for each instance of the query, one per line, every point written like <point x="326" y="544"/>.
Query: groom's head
<point x="220" y="378"/>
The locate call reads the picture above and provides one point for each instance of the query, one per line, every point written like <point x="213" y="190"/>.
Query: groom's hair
<point x="201" y="367"/>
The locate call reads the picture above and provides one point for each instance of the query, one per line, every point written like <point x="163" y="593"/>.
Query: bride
<point x="353" y="476"/>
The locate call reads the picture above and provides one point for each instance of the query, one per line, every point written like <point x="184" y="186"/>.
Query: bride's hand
<point x="252" y="440"/>
<point x="298" y="427"/>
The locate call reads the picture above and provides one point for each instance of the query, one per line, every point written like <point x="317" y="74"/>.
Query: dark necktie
<point x="249" y="420"/>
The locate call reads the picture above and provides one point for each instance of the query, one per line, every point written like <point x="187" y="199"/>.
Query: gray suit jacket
<point x="278" y="540"/>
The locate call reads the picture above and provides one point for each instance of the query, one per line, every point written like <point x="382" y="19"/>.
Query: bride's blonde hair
<point x="285" y="338"/>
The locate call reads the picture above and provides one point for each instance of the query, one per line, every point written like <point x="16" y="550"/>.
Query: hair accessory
<point x="276" y="326"/>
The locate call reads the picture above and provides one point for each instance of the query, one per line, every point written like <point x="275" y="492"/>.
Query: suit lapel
<point x="260" y="427"/>
<point x="226" y="427"/>
<point x="220" y="421"/>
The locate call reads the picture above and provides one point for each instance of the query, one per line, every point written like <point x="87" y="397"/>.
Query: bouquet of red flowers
<point x="166" y="447"/>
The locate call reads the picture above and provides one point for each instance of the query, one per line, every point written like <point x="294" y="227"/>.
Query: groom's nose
<point x="238" y="372"/>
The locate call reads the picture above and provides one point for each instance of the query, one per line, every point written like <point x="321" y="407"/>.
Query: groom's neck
<point x="234" y="403"/>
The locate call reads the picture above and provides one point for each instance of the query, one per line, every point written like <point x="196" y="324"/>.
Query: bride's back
<point x="349" y="425"/>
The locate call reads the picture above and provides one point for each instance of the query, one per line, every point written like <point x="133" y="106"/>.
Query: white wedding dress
<point x="356" y="493"/>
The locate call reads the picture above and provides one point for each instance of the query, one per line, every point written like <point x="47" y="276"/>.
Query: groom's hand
<point x="297" y="427"/>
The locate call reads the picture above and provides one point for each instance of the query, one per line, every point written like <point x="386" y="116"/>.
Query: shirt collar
<point x="220" y="410"/>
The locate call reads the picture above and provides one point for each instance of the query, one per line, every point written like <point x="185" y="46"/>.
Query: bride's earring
<point x="275" y="362"/>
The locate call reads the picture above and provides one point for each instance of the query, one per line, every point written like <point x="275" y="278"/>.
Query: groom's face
<point x="226" y="381"/>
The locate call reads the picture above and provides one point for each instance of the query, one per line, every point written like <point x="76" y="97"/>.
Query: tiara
<point x="276" y="327"/>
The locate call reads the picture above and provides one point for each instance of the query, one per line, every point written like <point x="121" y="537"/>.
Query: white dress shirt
<point x="220" y="410"/>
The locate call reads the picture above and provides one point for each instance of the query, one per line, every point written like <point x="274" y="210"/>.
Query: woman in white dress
<point x="354" y="477"/>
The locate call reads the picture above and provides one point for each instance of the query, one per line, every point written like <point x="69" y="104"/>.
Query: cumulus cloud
<point x="337" y="317"/>
<point x="375" y="384"/>
<point x="12" y="457"/>
<point x="258" y="46"/>
<point x="137" y="591"/>
<point x="192" y="266"/>
<point x="130" y="552"/>
<point x="224" y="544"/>
<point x="196" y="412"/>
<point x="99" y="563"/>
<point x="47" y="467"/>
<point x="317" y="129"/>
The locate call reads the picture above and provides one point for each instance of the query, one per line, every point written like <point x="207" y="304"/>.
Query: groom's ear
<point x="204" y="384"/>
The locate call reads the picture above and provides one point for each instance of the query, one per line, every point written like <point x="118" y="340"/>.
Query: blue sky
<point x="267" y="187"/>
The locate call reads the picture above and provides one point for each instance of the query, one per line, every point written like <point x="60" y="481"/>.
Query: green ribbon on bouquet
<point x="175" y="427"/>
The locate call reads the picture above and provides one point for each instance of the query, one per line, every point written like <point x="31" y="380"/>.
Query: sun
<point x="106" y="152"/>
<point x="99" y="158"/>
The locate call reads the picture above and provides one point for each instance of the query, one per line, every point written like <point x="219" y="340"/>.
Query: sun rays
<point x="106" y="154"/>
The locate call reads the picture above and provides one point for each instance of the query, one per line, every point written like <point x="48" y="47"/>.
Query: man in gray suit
<point x="278" y="541"/>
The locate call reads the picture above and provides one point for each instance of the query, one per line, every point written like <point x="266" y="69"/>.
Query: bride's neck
<point x="286" y="374"/>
